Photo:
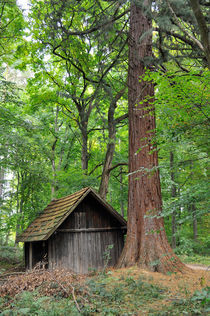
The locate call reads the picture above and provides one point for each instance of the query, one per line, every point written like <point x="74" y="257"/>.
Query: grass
<point x="198" y="304"/>
<point x="120" y="296"/>
<point x="195" y="259"/>
<point x="30" y="303"/>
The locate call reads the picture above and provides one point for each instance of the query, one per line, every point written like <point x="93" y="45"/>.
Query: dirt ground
<point x="177" y="285"/>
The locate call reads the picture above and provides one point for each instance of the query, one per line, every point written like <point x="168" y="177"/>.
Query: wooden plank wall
<point x="90" y="213"/>
<point x="83" y="251"/>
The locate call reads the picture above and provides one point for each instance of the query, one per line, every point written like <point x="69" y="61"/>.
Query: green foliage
<point x="112" y="297"/>
<point x="30" y="303"/>
<point x="196" y="259"/>
<point x="198" y="304"/>
<point x="182" y="115"/>
<point x="185" y="247"/>
<point x="107" y="256"/>
<point x="13" y="255"/>
<point x="11" y="29"/>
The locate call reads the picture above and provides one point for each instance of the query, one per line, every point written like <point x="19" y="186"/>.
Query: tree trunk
<point x="19" y="205"/>
<point x="85" y="155"/>
<point x="121" y="193"/>
<point x="2" y="175"/>
<point x="195" y="230"/>
<point x="53" y="185"/>
<point x="53" y="154"/>
<point x="103" y="190"/>
<point x="173" y="194"/>
<point x="146" y="244"/>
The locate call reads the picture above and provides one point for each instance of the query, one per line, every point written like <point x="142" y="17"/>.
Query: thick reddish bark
<point x="146" y="244"/>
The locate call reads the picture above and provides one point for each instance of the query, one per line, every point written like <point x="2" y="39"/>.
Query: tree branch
<point x="100" y="26"/>
<point x="118" y="165"/>
<point x="195" y="40"/>
<point x="97" y="166"/>
<point x="121" y="118"/>
<point x="202" y="27"/>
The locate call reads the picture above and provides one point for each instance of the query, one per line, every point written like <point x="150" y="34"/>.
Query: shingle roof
<point x="56" y="212"/>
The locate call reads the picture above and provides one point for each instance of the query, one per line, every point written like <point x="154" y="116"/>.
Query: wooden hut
<point x="73" y="233"/>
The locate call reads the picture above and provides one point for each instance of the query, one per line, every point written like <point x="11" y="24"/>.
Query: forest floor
<point x="130" y="291"/>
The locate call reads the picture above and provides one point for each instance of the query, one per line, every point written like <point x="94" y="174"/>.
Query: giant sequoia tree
<point x="146" y="242"/>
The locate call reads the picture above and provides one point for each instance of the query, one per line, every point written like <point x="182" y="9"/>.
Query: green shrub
<point x="30" y="303"/>
<point x="185" y="247"/>
<point x="202" y="246"/>
<point x="12" y="255"/>
<point x="198" y="304"/>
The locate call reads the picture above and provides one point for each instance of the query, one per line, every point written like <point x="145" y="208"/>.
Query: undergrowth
<point x="59" y="292"/>
<point x="198" y="304"/>
<point x="12" y="255"/>
<point x="195" y="259"/>
<point x="11" y="258"/>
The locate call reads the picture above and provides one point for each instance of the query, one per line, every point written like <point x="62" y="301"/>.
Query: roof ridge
<point x="77" y="192"/>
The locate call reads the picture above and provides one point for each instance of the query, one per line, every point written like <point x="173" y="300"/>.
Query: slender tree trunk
<point x="7" y="239"/>
<point x="53" y="153"/>
<point x="2" y="175"/>
<point x="121" y="194"/>
<point x="19" y="205"/>
<point x="103" y="190"/>
<point x="192" y="209"/>
<point x="195" y="230"/>
<point x="146" y="243"/>
<point x="173" y="194"/>
<point x="84" y="153"/>
<point x="54" y="178"/>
